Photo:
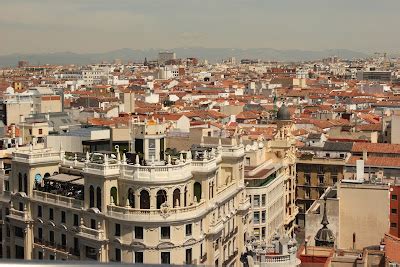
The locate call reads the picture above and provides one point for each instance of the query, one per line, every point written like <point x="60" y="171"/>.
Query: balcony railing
<point x="58" y="247"/>
<point x="37" y="156"/>
<point x="157" y="173"/>
<point x="91" y="233"/>
<point x="57" y="199"/>
<point x="18" y="214"/>
<point x="277" y="258"/>
<point x="230" y="258"/>
<point x="132" y="212"/>
<point x="203" y="258"/>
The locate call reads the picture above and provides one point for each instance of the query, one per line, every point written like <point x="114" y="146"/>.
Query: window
<point x="93" y="223"/>
<point x="394" y="197"/>
<point x="176" y="198"/>
<point x="40" y="255"/>
<point x="321" y="179"/>
<point x="138" y="232"/>
<point x="40" y="212"/>
<point x="76" y="243"/>
<point x="131" y="197"/>
<point x="165" y="232"/>
<point x="76" y="220"/>
<point x="21" y="206"/>
<point x="138" y="257"/>
<point x="117" y="229"/>
<point x="98" y="196"/>
<point x="263" y="216"/>
<point x="256" y="202"/>
<point x="188" y="229"/>
<point x="197" y="191"/>
<point x="144" y="199"/>
<point x="247" y="162"/>
<point x="91" y="196"/>
<point x="40" y="131"/>
<point x="394" y="211"/>
<point x="393" y="225"/>
<point x="19" y="232"/>
<point x="40" y="233"/>
<point x="257" y="233"/>
<point x="117" y="254"/>
<point x="19" y="252"/>
<point x="63" y="240"/>
<point x="51" y="236"/>
<point x="189" y="256"/>
<point x="161" y="198"/>
<point x="263" y="233"/>
<point x="263" y="200"/>
<point x="165" y="258"/>
<point x="51" y="214"/>
<point x="256" y="218"/>
<point x="62" y="216"/>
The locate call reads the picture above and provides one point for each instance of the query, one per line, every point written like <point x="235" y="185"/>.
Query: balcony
<point x="103" y="169"/>
<point x="37" y="156"/>
<point x="177" y="213"/>
<point x="156" y="173"/>
<point x="230" y="258"/>
<point x="230" y="235"/>
<point x="58" y="199"/>
<point x="56" y="247"/>
<point x="92" y="234"/>
<point x="204" y="166"/>
<point x="18" y="215"/>
<point x="203" y="258"/>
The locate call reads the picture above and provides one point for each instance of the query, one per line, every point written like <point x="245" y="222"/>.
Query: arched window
<point x="25" y="183"/>
<point x="91" y="196"/>
<point x="114" y="195"/>
<point x="176" y="198"/>
<point x="131" y="198"/>
<point x="98" y="196"/>
<point x="211" y="190"/>
<point x="38" y="181"/>
<point x="197" y="191"/>
<point x="19" y="182"/>
<point x="185" y="197"/>
<point x="161" y="198"/>
<point x="144" y="200"/>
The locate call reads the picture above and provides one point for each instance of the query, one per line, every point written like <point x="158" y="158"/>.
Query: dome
<point x="324" y="237"/>
<point x="283" y="113"/>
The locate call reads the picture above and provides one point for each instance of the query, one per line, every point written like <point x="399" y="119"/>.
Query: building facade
<point x="152" y="209"/>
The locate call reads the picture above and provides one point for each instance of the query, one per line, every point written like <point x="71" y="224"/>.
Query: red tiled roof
<point x="376" y="161"/>
<point x="376" y="148"/>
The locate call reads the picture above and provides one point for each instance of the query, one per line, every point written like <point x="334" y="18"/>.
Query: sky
<point x="82" y="26"/>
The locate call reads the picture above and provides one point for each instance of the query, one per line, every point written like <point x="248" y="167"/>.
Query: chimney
<point x="365" y="155"/>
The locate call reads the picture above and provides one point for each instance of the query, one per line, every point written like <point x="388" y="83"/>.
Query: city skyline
<point x="100" y="26"/>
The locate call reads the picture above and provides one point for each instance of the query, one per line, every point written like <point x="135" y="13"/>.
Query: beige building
<point x="34" y="132"/>
<point x="358" y="214"/>
<point x="363" y="214"/>
<point x="157" y="209"/>
<point x="283" y="145"/>
<point x="265" y="177"/>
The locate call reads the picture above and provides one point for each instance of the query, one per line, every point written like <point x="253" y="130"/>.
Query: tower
<point x="324" y="236"/>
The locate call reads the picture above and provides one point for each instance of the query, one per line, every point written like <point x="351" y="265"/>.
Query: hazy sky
<point x="37" y="26"/>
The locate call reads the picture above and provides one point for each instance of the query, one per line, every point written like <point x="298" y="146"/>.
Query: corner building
<point x="149" y="208"/>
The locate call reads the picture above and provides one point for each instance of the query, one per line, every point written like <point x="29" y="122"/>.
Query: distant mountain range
<point x="211" y="54"/>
